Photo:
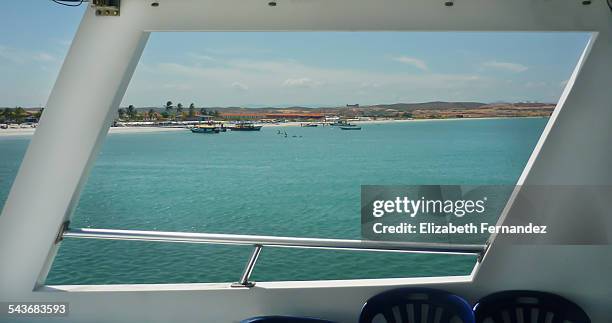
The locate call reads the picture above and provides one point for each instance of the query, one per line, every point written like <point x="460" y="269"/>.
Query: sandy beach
<point x="127" y="130"/>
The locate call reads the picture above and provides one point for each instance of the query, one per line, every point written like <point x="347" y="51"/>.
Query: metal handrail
<point x="273" y="241"/>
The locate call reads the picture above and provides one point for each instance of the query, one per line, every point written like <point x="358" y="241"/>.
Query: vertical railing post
<point x="248" y="269"/>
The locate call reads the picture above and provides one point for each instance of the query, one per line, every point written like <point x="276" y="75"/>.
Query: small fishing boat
<point x="247" y="126"/>
<point x="205" y="129"/>
<point x="309" y="125"/>
<point x="339" y="123"/>
<point x="350" y="127"/>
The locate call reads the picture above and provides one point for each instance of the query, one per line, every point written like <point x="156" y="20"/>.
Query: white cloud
<point x="374" y="85"/>
<point x="12" y="55"/>
<point x="505" y="66"/>
<point x="45" y="57"/>
<point x="217" y="84"/>
<point x="420" y="64"/>
<point x="303" y="82"/>
<point x="536" y="84"/>
<point x="239" y="86"/>
<point x="23" y="56"/>
<point x="179" y="87"/>
<point x="200" y="57"/>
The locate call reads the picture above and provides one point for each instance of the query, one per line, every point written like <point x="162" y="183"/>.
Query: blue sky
<point x="264" y="69"/>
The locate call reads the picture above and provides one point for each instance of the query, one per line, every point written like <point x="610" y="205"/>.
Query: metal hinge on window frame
<point x="106" y="7"/>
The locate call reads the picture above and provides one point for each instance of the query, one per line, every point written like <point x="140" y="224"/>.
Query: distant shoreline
<point x="131" y="130"/>
<point x="445" y="119"/>
<point x="113" y="130"/>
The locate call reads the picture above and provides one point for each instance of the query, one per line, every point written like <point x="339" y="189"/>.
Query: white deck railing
<point x="258" y="242"/>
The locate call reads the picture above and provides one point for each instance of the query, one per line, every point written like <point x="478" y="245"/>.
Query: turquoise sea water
<point x="264" y="183"/>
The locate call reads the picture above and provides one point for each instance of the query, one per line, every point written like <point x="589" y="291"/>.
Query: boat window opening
<point x="283" y="264"/>
<point x="274" y="134"/>
<point x="149" y="263"/>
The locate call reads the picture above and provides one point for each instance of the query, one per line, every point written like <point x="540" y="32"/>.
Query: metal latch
<point x="60" y="234"/>
<point x="106" y="7"/>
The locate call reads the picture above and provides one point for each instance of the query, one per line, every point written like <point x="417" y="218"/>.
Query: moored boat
<point x="350" y="127"/>
<point x="339" y="123"/>
<point x="246" y="127"/>
<point x="205" y="129"/>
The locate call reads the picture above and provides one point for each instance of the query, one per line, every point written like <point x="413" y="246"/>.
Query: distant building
<point x="205" y="118"/>
<point x="353" y="106"/>
<point x="242" y="116"/>
<point x="273" y="116"/>
<point x="295" y="116"/>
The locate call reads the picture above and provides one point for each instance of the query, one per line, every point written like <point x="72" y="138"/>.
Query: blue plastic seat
<point x="416" y="305"/>
<point x="284" y="319"/>
<point x="528" y="306"/>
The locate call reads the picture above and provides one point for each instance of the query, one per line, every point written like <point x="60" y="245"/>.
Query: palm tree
<point x="131" y="112"/>
<point x="7" y="113"/>
<point x="191" y="110"/>
<point x="179" y="110"/>
<point x="121" y="113"/>
<point x="19" y="114"/>
<point x="168" y="108"/>
<point x="203" y="111"/>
